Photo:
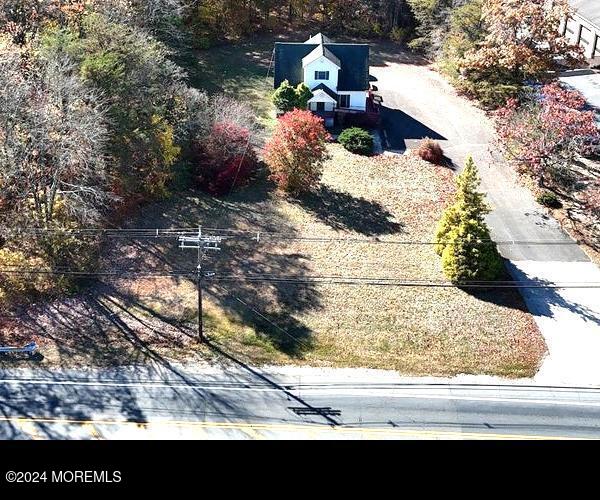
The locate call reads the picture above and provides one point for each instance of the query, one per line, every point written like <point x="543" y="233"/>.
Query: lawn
<point x="420" y="331"/>
<point x="242" y="71"/>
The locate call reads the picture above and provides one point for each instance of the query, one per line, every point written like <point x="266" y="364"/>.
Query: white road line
<point x="389" y="393"/>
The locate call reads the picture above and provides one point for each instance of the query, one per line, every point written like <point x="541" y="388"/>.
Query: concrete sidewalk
<point x="568" y="318"/>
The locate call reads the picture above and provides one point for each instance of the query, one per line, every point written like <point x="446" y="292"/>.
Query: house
<point x="583" y="27"/>
<point x="336" y="73"/>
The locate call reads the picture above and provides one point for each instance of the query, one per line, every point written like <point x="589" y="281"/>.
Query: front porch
<point x="346" y="117"/>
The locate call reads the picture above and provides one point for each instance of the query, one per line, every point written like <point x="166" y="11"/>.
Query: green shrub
<point x="286" y="98"/>
<point x="303" y="95"/>
<point x="469" y="253"/>
<point x="420" y="44"/>
<point x="357" y="140"/>
<point x="549" y="199"/>
<point x="399" y="34"/>
<point x="463" y="238"/>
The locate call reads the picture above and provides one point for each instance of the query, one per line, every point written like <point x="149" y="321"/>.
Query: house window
<point x="321" y="75"/>
<point x="320" y="106"/>
<point x="344" y="101"/>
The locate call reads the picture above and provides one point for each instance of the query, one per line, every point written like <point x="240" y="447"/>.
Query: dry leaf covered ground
<point x="436" y="331"/>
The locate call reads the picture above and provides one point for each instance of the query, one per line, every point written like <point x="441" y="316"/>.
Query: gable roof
<point x="319" y="39"/>
<point x="354" y="62"/>
<point x="321" y="51"/>
<point x="327" y="90"/>
<point x="588" y="9"/>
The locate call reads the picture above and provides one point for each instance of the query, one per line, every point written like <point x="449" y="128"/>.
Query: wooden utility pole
<point x="202" y="243"/>
<point x="201" y="336"/>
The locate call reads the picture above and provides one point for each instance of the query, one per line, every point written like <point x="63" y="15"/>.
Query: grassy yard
<point x="434" y="331"/>
<point x="239" y="71"/>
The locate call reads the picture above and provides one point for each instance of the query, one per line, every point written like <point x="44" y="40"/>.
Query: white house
<point x="336" y="73"/>
<point x="583" y="27"/>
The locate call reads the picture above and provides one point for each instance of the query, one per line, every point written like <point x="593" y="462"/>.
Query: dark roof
<point x="327" y="90"/>
<point x="354" y="59"/>
<point x="321" y="51"/>
<point x="588" y="9"/>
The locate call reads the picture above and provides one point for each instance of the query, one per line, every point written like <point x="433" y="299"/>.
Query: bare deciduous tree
<point x="52" y="142"/>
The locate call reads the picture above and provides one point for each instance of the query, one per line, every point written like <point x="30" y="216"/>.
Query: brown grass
<point x="422" y="331"/>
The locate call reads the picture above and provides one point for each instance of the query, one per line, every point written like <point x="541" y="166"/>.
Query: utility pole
<point x="201" y="336"/>
<point x="202" y="243"/>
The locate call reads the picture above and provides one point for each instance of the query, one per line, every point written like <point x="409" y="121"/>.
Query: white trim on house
<point x="321" y="51"/>
<point x="321" y="96"/>
<point x="358" y="99"/>
<point x="583" y="32"/>
<point x="322" y="64"/>
<point x="319" y="39"/>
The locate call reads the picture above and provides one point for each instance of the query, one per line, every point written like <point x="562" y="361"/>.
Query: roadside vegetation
<point x="159" y="114"/>
<point x="423" y="330"/>
<point x="462" y="237"/>
<point x="357" y="140"/>
<point x="507" y="56"/>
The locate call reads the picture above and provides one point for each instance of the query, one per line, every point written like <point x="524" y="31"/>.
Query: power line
<point x="314" y="279"/>
<point x="261" y="315"/>
<point x="408" y="283"/>
<point x="158" y="233"/>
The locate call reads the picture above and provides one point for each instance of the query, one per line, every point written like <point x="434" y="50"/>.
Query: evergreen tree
<point x="462" y="238"/>
<point x="285" y="97"/>
<point x="303" y="95"/>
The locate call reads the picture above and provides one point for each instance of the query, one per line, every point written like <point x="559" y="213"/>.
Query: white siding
<point x="358" y="99"/>
<point x="321" y="64"/>
<point x="329" y="106"/>
<point x="581" y="32"/>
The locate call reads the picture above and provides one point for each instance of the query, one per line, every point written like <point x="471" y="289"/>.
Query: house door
<point x="320" y="106"/>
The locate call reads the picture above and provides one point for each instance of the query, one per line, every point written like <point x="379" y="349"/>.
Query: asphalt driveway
<point x="418" y="103"/>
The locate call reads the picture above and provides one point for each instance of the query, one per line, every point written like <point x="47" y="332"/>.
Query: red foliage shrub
<point x="430" y="151"/>
<point x="547" y="131"/>
<point x="225" y="159"/>
<point x="235" y="173"/>
<point x="296" y="151"/>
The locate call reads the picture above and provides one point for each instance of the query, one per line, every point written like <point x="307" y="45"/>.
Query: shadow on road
<point x="542" y="301"/>
<point x="398" y="126"/>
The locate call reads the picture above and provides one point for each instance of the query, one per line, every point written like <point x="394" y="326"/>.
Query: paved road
<point x="240" y="403"/>
<point x="419" y="103"/>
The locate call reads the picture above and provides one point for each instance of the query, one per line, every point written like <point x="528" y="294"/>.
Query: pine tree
<point x="462" y="238"/>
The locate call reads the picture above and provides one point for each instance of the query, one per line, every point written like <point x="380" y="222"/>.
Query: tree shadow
<point x="282" y="330"/>
<point x="397" y="126"/>
<point x="541" y="301"/>
<point x="121" y="320"/>
<point x="536" y="297"/>
<point x="385" y="53"/>
<point x="342" y="211"/>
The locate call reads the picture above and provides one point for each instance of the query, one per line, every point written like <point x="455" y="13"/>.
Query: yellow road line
<point x="91" y="428"/>
<point x="381" y="433"/>
<point x="252" y="432"/>
<point x="29" y="428"/>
